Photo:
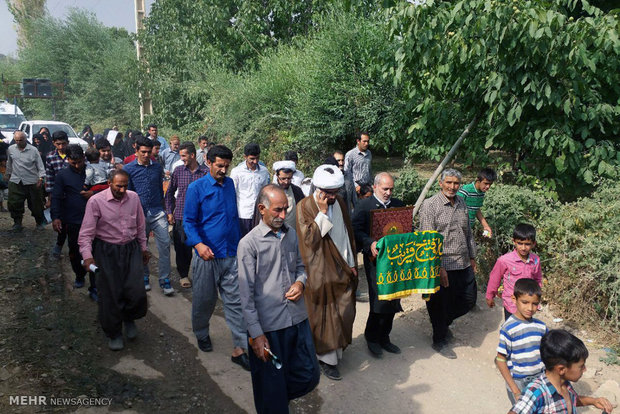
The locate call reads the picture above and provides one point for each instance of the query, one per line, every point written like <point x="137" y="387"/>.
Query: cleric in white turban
<point x="330" y="265"/>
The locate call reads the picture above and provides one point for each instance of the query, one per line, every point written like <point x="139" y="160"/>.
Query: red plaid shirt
<point x="53" y="163"/>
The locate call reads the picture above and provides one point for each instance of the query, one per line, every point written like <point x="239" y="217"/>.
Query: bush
<point x="408" y="185"/>
<point x="580" y="244"/>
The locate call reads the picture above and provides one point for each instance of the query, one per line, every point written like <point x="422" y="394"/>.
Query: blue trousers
<point x="299" y="375"/>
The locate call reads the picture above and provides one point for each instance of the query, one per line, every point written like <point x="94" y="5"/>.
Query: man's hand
<point x="322" y="202"/>
<point x="473" y="264"/>
<point x="443" y="278"/>
<point x="57" y="225"/>
<point x="295" y="291"/>
<point x="146" y="255"/>
<point x="39" y="181"/>
<point x="87" y="263"/>
<point x="170" y="218"/>
<point x="603" y="404"/>
<point x="489" y="232"/>
<point x="204" y="251"/>
<point x="258" y="346"/>
<point x="354" y="271"/>
<point x="48" y="200"/>
<point x="373" y="250"/>
<point x="87" y="194"/>
<point x="490" y="303"/>
<point x="358" y="188"/>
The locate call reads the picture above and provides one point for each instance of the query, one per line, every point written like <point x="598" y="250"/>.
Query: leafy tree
<point x="25" y="13"/>
<point x="544" y="84"/>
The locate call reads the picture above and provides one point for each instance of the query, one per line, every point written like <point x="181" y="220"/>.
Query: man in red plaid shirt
<point x="54" y="162"/>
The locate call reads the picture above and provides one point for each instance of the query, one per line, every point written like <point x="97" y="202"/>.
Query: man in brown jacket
<point x="327" y="246"/>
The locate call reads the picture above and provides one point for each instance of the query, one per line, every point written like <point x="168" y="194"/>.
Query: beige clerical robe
<point x="330" y="288"/>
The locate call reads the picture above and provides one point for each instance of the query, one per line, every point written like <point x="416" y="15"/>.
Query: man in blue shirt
<point x="145" y="178"/>
<point x="211" y="225"/>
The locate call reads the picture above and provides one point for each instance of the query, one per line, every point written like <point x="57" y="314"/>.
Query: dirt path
<point x="51" y="345"/>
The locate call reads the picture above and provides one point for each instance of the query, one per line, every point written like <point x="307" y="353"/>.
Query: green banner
<point x="408" y="263"/>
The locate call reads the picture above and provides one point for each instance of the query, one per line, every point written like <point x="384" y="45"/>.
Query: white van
<point x="10" y="119"/>
<point x="32" y="127"/>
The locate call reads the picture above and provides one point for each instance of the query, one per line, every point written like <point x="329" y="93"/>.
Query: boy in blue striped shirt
<point x="518" y="352"/>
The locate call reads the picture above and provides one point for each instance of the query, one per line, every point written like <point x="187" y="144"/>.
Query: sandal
<point x="185" y="282"/>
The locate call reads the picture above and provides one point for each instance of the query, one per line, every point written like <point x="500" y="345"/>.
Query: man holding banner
<point x="447" y="214"/>
<point x="382" y="312"/>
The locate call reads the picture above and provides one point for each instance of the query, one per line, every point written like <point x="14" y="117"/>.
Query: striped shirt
<point x="182" y="177"/>
<point x="437" y="213"/>
<point x="473" y="199"/>
<point x="519" y="340"/>
<point x="357" y="165"/>
<point x="542" y="397"/>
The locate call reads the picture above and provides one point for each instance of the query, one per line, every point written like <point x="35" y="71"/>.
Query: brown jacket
<point x="330" y="288"/>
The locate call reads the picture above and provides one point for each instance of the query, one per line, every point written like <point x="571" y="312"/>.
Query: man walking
<point x="145" y="178"/>
<point x="357" y="165"/>
<point x="113" y="238"/>
<point x="211" y="226"/>
<point x="447" y="214"/>
<point x="328" y="251"/>
<point x="54" y="162"/>
<point x="284" y="171"/>
<point x="381" y="315"/>
<point x="249" y="177"/>
<point x="181" y="178"/>
<point x="68" y="207"/>
<point x="271" y="281"/>
<point x="25" y="173"/>
<point x="152" y="135"/>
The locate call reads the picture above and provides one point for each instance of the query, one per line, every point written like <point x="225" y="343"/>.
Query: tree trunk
<point x="445" y="161"/>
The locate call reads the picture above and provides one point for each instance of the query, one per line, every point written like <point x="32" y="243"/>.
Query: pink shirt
<point x="111" y="220"/>
<point x="511" y="268"/>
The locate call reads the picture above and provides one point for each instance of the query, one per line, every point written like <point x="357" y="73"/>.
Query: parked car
<point x="32" y="127"/>
<point x="10" y="119"/>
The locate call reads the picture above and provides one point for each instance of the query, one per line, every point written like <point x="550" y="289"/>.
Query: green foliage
<point x="408" y="185"/>
<point x="98" y="63"/>
<point x="546" y="84"/>
<point x="580" y="243"/>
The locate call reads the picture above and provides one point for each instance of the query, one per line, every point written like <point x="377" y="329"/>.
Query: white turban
<point x="284" y="165"/>
<point x="328" y="177"/>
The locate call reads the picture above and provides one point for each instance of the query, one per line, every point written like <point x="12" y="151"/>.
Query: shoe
<point x="92" y="293"/>
<point x="17" y="227"/>
<point x="116" y="344"/>
<point x="205" y="345"/>
<point x="330" y="371"/>
<point x="147" y="283"/>
<point x="131" y="331"/>
<point x="79" y="283"/>
<point x="443" y="349"/>
<point x="375" y="349"/>
<point x="166" y="288"/>
<point x="185" y="283"/>
<point x="242" y="360"/>
<point x="361" y="297"/>
<point x="391" y="348"/>
<point x="56" y="251"/>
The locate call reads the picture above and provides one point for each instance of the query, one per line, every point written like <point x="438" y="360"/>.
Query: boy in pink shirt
<point x="518" y="264"/>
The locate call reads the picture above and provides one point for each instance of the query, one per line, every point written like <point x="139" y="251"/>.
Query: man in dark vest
<point x="381" y="316"/>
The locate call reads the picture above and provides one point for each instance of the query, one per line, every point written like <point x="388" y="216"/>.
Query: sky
<point x="117" y="13"/>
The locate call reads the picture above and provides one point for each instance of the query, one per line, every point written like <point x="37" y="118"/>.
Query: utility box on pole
<point x="146" y="107"/>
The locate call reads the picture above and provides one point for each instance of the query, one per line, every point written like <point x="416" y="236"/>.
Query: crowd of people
<point x="281" y="254"/>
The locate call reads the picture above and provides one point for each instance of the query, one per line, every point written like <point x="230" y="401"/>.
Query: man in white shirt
<point x="249" y="177"/>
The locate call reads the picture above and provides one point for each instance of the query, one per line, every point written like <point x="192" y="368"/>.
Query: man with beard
<point x="381" y="316"/>
<point x="181" y="178"/>
<point x="211" y="225"/>
<point x="328" y="251"/>
<point x="447" y="214"/>
<point x="284" y="171"/>
<point x="271" y="282"/>
<point x="67" y="211"/>
<point x="24" y="173"/>
<point x="113" y="238"/>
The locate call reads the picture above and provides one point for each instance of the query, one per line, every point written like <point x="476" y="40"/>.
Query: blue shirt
<point x="210" y="216"/>
<point x="68" y="204"/>
<point x="146" y="180"/>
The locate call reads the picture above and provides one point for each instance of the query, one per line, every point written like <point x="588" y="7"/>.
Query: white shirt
<point x="248" y="184"/>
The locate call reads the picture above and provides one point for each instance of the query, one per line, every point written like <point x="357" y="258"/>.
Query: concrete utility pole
<point x="146" y="107"/>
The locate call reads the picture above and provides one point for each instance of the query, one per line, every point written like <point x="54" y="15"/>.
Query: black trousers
<point x="452" y="302"/>
<point x="72" y="232"/>
<point x="18" y="193"/>
<point x="183" y="252"/>
<point x="62" y="236"/>
<point x="378" y="327"/>
<point x="120" y="285"/>
<point x="246" y="225"/>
